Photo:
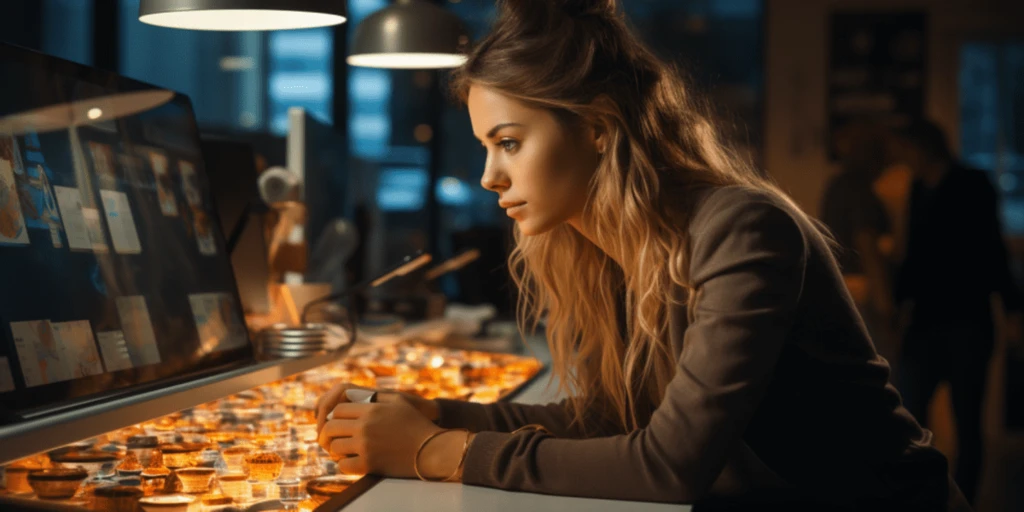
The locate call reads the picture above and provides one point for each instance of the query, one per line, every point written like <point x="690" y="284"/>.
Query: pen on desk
<point x="453" y="264"/>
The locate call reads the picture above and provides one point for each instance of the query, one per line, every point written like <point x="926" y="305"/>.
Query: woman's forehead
<point x="489" y="107"/>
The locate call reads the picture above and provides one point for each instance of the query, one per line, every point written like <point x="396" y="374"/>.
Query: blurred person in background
<point x="956" y="259"/>
<point x="861" y="225"/>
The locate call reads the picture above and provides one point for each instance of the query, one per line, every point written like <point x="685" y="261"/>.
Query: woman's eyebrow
<point x="496" y="128"/>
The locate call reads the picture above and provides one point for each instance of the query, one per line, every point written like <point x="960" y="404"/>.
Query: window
<point x="301" y="74"/>
<point x="369" y="96"/>
<point x="68" y="29"/>
<point x="992" y="120"/>
<point x="220" y="71"/>
<point x="718" y="45"/>
<point x="63" y="28"/>
<point x="236" y="80"/>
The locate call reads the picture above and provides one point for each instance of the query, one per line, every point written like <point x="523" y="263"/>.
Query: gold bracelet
<point x="462" y="460"/>
<point x="533" y="426"/>
<point x="416" y="458"/>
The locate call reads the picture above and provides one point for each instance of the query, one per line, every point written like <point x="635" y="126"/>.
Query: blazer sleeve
<point x="747" y="264"/>
<point x="507" y="417"/>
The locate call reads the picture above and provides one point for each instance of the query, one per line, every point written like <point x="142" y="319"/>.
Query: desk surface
<point x="416" y="496"/>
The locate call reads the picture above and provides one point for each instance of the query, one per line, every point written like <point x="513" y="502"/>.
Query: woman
<point x="695" y="314"/>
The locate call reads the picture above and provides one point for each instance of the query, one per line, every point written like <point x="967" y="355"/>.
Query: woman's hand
<point x="382" y="438"/>
<point x="329" y="400"/>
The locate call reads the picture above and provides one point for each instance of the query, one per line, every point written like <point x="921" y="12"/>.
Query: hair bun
<point x="588" y="7"/>
<point x="539" y="15"/>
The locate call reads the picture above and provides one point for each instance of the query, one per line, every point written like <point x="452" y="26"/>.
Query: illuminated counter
<point x="254" y="446"/>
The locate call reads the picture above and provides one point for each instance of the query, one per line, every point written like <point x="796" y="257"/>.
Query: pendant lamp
<point x="410" y="34"/>
<point x="232" y="15"/>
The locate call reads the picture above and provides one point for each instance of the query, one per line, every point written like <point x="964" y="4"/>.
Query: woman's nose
<point x="493" y="179"/>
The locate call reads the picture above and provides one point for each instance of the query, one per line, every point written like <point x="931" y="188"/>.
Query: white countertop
<point x="415" y="496"/>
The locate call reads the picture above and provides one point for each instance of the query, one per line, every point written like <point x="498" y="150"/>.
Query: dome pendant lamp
<point x="234" y="15"/>
<point x="410" y="34"/>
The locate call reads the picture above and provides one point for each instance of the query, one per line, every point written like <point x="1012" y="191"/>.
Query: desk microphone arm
<point x="407" y="265"/>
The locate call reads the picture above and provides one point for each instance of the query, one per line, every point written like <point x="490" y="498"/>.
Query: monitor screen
<point x="113" y="274"/>
<point x="233" y="172"/>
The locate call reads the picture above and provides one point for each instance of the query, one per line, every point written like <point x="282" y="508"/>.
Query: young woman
<point x="695" y="314"/>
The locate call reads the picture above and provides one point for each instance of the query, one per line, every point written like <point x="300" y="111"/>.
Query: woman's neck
<point x="578" y="224"/>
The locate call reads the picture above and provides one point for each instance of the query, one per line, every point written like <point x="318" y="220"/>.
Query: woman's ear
<point x="600" y="127"/>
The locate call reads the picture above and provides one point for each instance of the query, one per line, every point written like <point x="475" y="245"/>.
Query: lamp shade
<point x="410" y="34"/>
<point x="229" y="15"/>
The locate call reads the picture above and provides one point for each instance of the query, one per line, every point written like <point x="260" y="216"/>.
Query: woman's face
<point x="539" y="167"/>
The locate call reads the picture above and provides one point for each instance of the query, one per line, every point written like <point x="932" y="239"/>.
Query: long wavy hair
<point x="579" y="60"/>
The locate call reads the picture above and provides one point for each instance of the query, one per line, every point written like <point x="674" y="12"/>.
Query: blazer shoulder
<point x="733" y="205"/>
<point x="736" y="222"/>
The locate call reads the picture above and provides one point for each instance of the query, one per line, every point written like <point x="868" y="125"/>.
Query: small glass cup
<point x="57" y="483"/>
<point x="129" y="466"/>
<point x="116" y="498"/>
<point x="236" y="485"/>
<point x="142" y="446"/>
<point x="264" y="466"/>
<point x="234" y="458"/>
<point x="196" y="480"/>
<point x="154" y="480"/>
<point x="17" y="480"/>
<point x="181" y="455"/>
<point x="290" y="492"/>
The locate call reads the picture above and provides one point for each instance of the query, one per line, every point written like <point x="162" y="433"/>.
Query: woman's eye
<point x="509" y="145"/>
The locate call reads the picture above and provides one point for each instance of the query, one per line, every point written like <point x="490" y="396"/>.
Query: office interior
<point x="311" y="191"/>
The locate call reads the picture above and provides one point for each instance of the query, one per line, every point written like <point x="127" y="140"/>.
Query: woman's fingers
<point x="342" y="447"/>
<point x="386" y="397"/>
<point x="349" y="411"/>
<point x="334" y="429"/>
<point x="327" y="402"/>
<point x="340" y="428"/>
<point x="353" y="466"/>
<point x="330" y="399"/>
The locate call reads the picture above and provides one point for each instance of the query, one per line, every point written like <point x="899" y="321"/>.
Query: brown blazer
<point x="778" y="390"/>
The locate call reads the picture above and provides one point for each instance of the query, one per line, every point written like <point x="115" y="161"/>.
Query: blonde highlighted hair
<point x="579" y="60"/>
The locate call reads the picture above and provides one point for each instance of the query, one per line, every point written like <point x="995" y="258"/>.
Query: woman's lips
<point x="514" y="210"/>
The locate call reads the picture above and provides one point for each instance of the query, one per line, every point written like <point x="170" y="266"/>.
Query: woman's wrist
<point x="442" y="455"/>
<point x="432" y="410"/>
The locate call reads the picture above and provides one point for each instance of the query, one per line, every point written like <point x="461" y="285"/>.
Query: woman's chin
<point x="529" y="228"/>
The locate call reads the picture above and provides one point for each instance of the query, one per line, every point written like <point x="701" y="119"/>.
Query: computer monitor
<point x="231" y="167"/>
<point x="113" y="276"/>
